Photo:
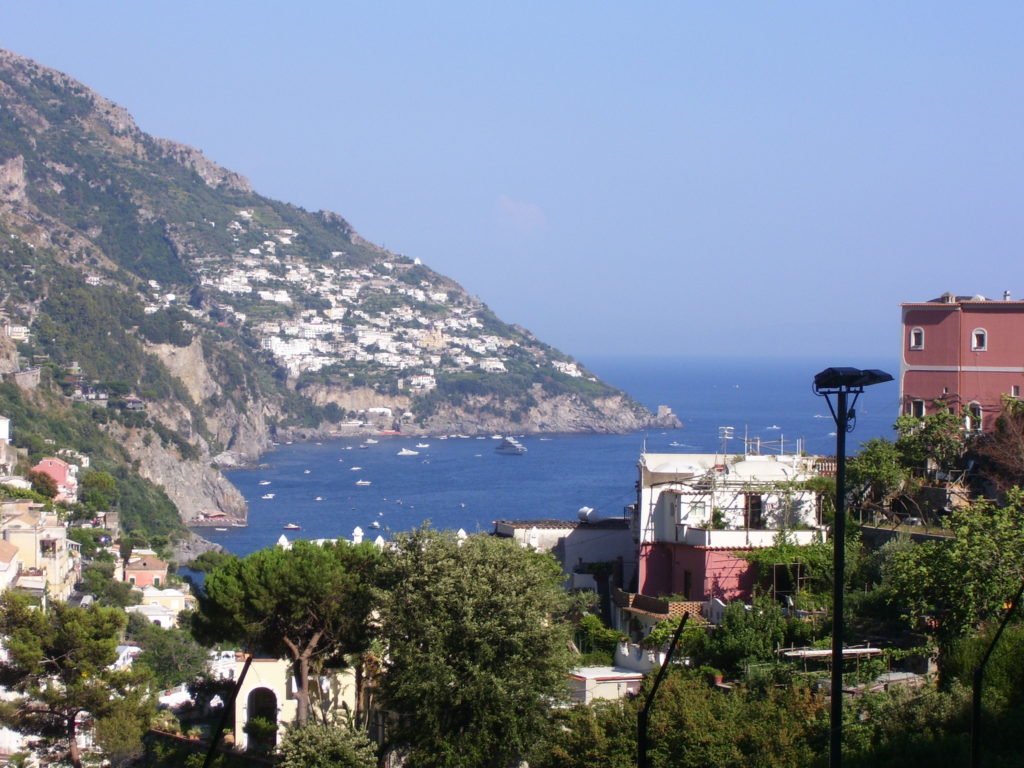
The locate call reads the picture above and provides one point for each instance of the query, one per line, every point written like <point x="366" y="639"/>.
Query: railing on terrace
<point x="743" y="537"/>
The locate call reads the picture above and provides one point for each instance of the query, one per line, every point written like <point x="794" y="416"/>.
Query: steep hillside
<point x="208" y="319"/>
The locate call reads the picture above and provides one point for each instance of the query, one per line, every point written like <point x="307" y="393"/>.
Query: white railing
<point x="741" y="538"/>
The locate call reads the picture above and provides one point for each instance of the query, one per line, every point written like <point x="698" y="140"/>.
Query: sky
<point x="658" y="178"/>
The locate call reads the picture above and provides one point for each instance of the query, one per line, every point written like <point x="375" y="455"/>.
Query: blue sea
<point x="462" y="483"/>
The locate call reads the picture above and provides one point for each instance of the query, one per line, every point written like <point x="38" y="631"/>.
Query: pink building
<point x="146" y="571"/>
<point x="967" y="351"/>
<point x="64" y="475"/>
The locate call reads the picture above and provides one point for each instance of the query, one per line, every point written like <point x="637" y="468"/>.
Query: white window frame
<point x="918" y="408"/>
<point x="918" y="334"/>
<point x="975" y="346"/>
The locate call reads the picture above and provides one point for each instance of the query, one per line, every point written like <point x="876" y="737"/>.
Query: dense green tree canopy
<point x="937" y="438"/>
<point x="59" y="665"/>
<point x="476" y="654"/>
<point x="966" y="580"/>
<point x="309" y="603"/>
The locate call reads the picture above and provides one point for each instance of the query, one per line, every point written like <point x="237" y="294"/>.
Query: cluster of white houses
<point x="369" y="314"/>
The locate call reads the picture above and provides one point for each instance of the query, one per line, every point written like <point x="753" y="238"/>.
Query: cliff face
<point x="194" y="487"/>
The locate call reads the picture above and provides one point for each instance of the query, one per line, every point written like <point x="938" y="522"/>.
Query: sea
<point x="765" y="404"/>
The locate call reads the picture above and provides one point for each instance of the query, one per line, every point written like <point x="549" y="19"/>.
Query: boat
<point x="407" y="452"/>
<point x="267" y="496"/>
<point x="319" y="498"/>
<point x="354" y="469"/>
<point x="510" y="447"/>
<point x="220" y="529"/>
<point x="305" y="471"/>
<point x="264" y="482"/>
<point x="364" y="482"/>
<point x="371" y="441"/>
<point x="422" y="445"/>
<point x="292" y="527"/>
<point x="375" y="524"/>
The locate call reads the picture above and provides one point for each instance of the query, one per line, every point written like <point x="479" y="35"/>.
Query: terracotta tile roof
<point x="147" y="564"/>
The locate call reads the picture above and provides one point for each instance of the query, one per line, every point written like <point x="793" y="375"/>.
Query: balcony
<point x="742" y="538"/>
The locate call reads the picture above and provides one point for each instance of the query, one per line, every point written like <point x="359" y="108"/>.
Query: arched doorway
<point x="261" y="720"/>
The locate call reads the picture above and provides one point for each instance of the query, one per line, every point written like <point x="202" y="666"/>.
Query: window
<point x="1015" y="390"/>
<point x="917" y="338"/>
<point x="972" y="420"/>
<point x="917" y="408"/>
<point x="979" y="340"/>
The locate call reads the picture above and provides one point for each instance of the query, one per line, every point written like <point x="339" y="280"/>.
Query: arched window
<point x="979" y="340"/>
<point x="917" y="338"/>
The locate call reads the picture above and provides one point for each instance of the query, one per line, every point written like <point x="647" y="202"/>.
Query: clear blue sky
<point x="654" y="178"/>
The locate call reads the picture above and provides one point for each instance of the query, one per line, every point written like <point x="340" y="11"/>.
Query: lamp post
<point x="841" y="382"/>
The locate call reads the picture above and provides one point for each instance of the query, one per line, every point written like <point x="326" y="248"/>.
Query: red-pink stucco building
<point x="966" y="351"/>
<point x="64" y="475"/>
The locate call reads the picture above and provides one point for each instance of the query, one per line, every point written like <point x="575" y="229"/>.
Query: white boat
<point x="220" y="529"/>
<point x="319" y="498"/>
<point x="422" y="445"/>
<point x="305" y="471"/>
<point x="292" y="527"/>
<point x="371" y="441"/>
<point x="407" y="452"/>
<point x="264" y="482"/>
<point x="364" y="482"/>
<point x="497" y="437"/>
<point x="511" y="447"/>
<point x="267" y="496"/>
<point x="354" y="469"/>
<point x="375" y="524"/>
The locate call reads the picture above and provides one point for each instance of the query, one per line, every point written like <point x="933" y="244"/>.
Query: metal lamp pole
<point x="841" y="382"/>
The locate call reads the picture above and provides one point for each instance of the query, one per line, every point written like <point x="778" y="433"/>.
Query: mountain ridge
<point x="140" y="268"/>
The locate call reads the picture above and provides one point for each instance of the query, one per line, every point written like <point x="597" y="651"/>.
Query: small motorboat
<point x="267" y="496"/>
<point x="292" y="527"/>
<point x="407" y="452"/>
<point x="364" y="482"/>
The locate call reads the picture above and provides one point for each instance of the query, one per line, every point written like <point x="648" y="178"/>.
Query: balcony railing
<point x="742" y="538"/>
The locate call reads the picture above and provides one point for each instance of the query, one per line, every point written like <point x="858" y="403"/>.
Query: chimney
<point x="1006" y="295"/>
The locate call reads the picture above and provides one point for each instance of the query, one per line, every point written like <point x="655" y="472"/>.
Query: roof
<point x="552" y="524"/>
<point x="7" y="551"/>
<point x="541" y="523"/>
<point x="147" y="564"/>
<point x="605" y="673"/>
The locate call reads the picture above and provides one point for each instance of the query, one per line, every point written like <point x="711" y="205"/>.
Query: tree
<point x="965" y="580"/>
<point x="98" y="490"/>
<point x="170" y="654"/>
<point x="477" y="656"/>
<point x="936" y="438"/>
<point x="746" y="635"/>
<point x="43" y="484"/>
<point x="875" y="473"/>
<point x="98" y="580"/>
<point x="1002" y="450"/>
<point x="309" y="603"/>
<point x="317" y="745"/>
<point x="59" y="664"/>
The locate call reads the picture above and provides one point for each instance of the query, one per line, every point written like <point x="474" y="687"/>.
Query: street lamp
<point x="841" y="382"/>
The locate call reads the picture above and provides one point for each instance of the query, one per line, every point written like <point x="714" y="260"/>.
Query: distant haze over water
<point x="463" y="483"/>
